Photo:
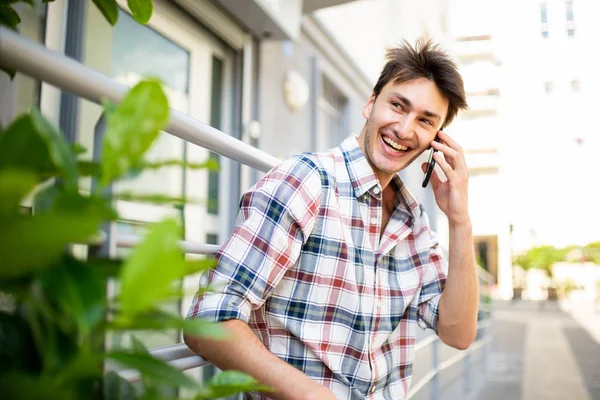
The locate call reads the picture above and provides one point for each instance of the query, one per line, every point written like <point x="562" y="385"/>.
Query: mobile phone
<point x="430" y="164"/>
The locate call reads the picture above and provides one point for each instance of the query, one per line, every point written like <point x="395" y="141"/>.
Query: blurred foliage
<point x="54" y="310"/>
<point x="591" y="252"/>
<point x="542" y="257"/>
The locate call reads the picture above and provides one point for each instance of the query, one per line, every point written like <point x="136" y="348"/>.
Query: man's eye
<point x="427" y="121"/>
<point x="397" y="105"/>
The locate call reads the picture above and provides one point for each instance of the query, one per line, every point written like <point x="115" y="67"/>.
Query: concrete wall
<point x="285" y="132"/>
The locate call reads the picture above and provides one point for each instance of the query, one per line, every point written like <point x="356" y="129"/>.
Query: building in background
<point x="480" y="130"/>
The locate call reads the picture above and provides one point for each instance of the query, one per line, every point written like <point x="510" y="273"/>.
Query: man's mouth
<point x="394" y="146"/>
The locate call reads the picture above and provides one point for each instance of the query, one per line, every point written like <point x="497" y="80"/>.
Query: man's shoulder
<point x="310" y="165"/>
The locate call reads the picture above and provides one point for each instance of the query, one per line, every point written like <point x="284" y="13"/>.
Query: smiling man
<point x="332" y="264"/>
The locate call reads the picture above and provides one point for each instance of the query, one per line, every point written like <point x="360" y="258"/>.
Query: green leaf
<point x="78" y="292"/>
<point x="82" y="366"/>
<point x="152" y="198"/>
<point x="211" y="164"/>
<point x="9" y="17"/>
<point x="117" y="388"/>
<point x="29" y="244"/>
<point x="205" y="329"/>
<point x="132" y="128"/>
<point x="141" y="10"/>
<point x="138" y="346"/>
<point x="93" y="168"/>
<point x="15" y="185"/>
<point x="109" y="9"/>
<point x="89" y="168"/>
<point x="3" y="2"/>
<point x="17" y="385"/>
<point x="33" y="144"/>
<point x="201" y="265"/>
<point x="10" y="72"/>
<point x="160" y="320"/>
<point x="228" y="383"/>
<point x="18" y="350"/>
<point x="154" y="369"/>
<point x="147" y="277"/>
<point x="78" y="149"/>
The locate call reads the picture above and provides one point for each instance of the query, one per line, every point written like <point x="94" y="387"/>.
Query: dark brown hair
<point x="425" y="60"/>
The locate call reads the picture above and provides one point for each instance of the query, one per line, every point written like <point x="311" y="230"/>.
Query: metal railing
<point x="36" y="61"/>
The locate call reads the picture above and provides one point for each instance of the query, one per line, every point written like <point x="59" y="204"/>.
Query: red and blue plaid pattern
<point x="307" y="268"/>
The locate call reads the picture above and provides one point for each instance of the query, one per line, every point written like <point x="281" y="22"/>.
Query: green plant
<point x="55" y="311"/>
<point x="592" y="252"/>
<point x="542" y="257"/>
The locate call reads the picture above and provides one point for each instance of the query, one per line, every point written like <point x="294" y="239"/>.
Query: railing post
<point x="435" y="382"/>
<point x="467" y="373"/>
<point x="102" y="250"/>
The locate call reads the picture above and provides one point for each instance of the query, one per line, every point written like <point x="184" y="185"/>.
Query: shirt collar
<point x="359" y="170"/>
<point x="364" y="180"/>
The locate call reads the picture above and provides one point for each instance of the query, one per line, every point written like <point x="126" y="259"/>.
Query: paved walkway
<point x="540" y="353"/>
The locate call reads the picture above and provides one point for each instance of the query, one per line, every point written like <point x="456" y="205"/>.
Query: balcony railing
<point x="36" y="61"/>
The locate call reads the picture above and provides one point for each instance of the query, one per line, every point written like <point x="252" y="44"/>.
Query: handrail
<point x="35" y="60"/>
<point x="129" y="241"/>
<point x="436" y="369"/>
<point x="178" y="356"/>
<point x="416" y="387"/>
<point x="485" y="276"/>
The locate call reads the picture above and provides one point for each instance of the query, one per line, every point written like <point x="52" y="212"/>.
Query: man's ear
<point x="368" y="107"/>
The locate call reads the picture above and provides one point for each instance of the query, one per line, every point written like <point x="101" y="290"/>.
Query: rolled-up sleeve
<point x="433" y="280"/>
<point x="276" y="217"/>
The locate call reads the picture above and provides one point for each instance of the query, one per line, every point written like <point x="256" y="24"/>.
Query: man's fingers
<point x="455" y="158"/>
<point x="435" y="180"/>
<point x="447" y="168"/>
<point x="449" y="141"/>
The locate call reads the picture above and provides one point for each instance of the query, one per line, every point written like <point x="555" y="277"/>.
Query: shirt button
<point x="376" y="190"/>
<point x="373" y="221"/>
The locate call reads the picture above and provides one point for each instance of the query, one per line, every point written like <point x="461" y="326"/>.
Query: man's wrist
<point x="461" y="223"/>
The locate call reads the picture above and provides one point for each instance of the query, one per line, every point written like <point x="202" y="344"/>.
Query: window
<point x="544" y="13"/>
<point x="544" y="20"/>
<point x="575" y="86"/>
<point x="548" y="87"/>
<point x="570" y="19"/>
<point x="332" y="121"/>
<point x="212" y="238"/>
<point x="569" y="7"/>
<point x="215" y="121"/>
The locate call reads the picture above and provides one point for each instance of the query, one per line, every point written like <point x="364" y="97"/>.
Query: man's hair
<point x="425" y="60"/>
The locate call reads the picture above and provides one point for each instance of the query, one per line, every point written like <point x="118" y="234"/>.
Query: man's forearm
<point x="457" y="322"/>
<point x="244" y="352"/>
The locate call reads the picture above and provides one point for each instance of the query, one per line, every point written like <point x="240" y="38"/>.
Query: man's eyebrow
<point x="408" y="104"/>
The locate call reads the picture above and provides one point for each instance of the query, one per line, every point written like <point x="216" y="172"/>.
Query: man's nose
<point x="405" y="128"/>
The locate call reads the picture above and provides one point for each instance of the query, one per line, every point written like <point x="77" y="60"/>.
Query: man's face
<point x="401" y="123"/>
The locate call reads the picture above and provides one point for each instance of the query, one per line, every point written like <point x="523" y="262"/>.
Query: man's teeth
<point x="394" y="145"/>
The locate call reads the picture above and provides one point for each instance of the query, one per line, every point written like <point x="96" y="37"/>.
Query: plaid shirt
<point x="307" y="269"/>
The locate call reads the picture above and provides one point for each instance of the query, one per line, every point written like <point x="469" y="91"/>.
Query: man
<point x="332" y="263"/>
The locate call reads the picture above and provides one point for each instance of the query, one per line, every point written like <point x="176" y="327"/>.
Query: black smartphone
<point x="430" y="164"/>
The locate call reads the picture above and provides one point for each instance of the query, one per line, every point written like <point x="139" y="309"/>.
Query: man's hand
<point x="451" y="196"/>
<point x="244" y="352"/>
